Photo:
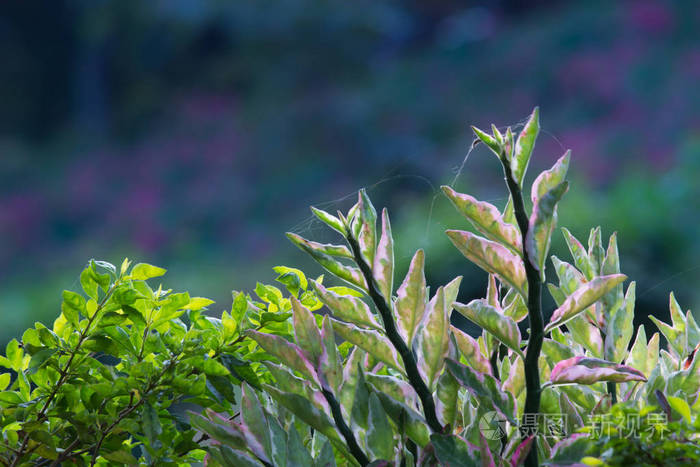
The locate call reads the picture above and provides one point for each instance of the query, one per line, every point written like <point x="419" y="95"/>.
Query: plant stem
<point x="63" y="375"/>
<point x="534" y="307"/>
<point x="397" y="341"/>
<point x="344" y="429"/>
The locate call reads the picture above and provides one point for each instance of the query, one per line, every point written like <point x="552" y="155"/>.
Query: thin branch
<point x="344" y="429"/>
<point x="534" y="307"/>
<point x="397" y="341"/>
<point x="63" y="375"/>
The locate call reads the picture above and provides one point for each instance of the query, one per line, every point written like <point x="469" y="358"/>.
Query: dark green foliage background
<point x="192" y="133"/>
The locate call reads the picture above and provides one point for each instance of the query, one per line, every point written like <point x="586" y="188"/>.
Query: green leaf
<point x="680" y="406"/>
<point x="297" y="454"/>
<point x="585" y="296"/>
<point x="581" y="259"/>
<point x="503" y="327"/>
<point x="488" y="140"/>
<point x="620" y="327"/>
<point x="470" y="351"/>
<point x="360" y="405"/>
<point x="486" y="218"/>
<point x="433" y="338"/>
<point x="198" y="303"/>
<point x="326" y="458"/>
<point x="143" y="271"/>
<point x="550" y="178"/>
<point x="122" y="457"/>
<point x="347" y="308"/>
<point x="454" y="451"/>
<point x="4" y="381"/>
<point x="286" y="352"/>
<point x="524" y="146"/>
<point x="411" y="298"/>
<point x="320" y="253"/>
<point x="586" y="370"/>
<point x="228" y="457"/>
<point x="330" y="220"/>
<point x="213" y="368"/>
<point x="539" y="233"/>
<point x="151" y="423"/>
<point x="383" y="268"/>
<point x="72" y="307"/>
<point x="380" y="435"/>
<point x="371" y="342"/>
<point x="492" y="257"/>
<point x="254" y="424"/>
<point x="485" y="388"/>
<point x="306" y="331"/>
<point x="306" y="412"/>
<point x="406" y="419"/>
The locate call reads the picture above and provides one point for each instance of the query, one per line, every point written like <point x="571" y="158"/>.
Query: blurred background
<point x="192" y="134"/>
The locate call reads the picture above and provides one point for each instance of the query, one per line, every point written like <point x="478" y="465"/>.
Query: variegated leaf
<point x="492" y="257"/>
<point x="411" y="298"/>
<point x="395" y="388"/>
<point x="524" y="146"/>
<point x="485" y="388"/>
<point x="455" y="451"/>
<point x="515" y="378"/>
<point x="330" y="370"/>
<point x="644" y="355"/>
<point x="433" y="338"/>
<point x="404" y="416"/>
<point x="620" y="328"/>
<point x="488" y="140"/>
<point x="569" y="277"/>
<point x="514" y="306"/>
<point x="470" y="351"/>
<point x="367" y="218"/>
<point x="254" y="424"/>
<point x="580" y="255"/>
<point x="451" y="292"/>
<point x="595" y="249"/>
<point x="347" y="273"/>
<point x="573" y="418"/>
<point x="486" y="219"/>
<point x="306" y="331"/>
<point x="370" y="341"/>
<point x="380" y="435"/>
<point x="383" y="268"/>
<point x="488" y="318"/>
<point x="446" y="398"/>
<point x="330" y="220"/>
<point x="347" y="307"/>
<point x="550" y="178"/>
<point x="286" y="352"/>
<point x="586" y="370"/>
<point x="586" y="333"/>
<point x="585" y="296"/>
<point x="611" y="265"/>
<point x="539" y="233"/>
<point x="350" y="378"/>
<point x="306" y="412"/>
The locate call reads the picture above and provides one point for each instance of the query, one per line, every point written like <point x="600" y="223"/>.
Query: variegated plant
<point x="408" y="388"/>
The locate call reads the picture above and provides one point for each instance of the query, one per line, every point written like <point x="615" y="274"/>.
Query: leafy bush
<point x="271" y="383"/>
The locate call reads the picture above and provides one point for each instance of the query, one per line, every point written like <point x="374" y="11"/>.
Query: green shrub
<point x="368" y="373"/>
